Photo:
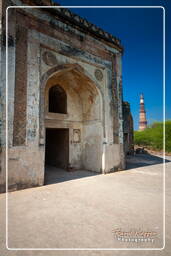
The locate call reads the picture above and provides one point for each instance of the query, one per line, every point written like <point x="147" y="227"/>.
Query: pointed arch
<point x="59" y="70"/>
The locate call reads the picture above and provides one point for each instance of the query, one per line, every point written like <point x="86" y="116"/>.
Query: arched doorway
<point x="72" y="123"/>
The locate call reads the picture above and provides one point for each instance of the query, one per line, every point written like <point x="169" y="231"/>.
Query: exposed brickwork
<point x="19" y="133"/>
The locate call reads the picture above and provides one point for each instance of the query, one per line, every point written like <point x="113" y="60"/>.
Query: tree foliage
<point x="152" y="137"/>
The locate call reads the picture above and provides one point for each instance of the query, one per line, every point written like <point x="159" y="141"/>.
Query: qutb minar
<point x="142" y="120"/>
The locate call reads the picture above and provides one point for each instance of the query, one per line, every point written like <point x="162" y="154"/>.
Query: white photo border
<point x="6" y="110"/>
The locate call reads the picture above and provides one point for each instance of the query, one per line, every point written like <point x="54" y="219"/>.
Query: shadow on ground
<point x="141" y="160"/>
<point x="55" y="175"/>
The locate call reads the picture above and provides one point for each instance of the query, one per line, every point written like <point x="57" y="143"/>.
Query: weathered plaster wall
<point x="112" y="157"/>
<point x="92" y="146"/>
<point x="25" y="167"/>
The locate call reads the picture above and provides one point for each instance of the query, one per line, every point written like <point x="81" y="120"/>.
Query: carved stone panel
<point x="76" y="136"/>
<point x="98" y="74"/>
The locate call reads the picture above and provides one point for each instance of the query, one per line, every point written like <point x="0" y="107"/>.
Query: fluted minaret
<point x="143" y="120"/>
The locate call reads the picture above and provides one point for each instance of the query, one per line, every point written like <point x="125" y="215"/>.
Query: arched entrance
<point x="71" y="120"/>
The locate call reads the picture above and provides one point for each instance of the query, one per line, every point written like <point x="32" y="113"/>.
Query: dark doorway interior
<point x="57" y="148"/>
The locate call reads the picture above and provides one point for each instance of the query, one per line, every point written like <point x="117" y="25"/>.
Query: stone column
<point x="6" y="99"/>
<point x="118" y="107"/>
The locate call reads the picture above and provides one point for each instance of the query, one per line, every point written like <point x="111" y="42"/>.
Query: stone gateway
<point x="64" y="94"/>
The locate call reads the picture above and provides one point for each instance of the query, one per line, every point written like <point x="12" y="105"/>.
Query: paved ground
<point x="85" y="210"/>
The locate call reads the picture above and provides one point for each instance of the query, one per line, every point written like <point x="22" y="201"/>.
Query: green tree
<point x="152" y="137"/>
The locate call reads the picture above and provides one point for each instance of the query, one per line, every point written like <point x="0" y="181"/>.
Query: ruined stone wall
<point x="128" y="129"/>
<point x="44" y="46"/>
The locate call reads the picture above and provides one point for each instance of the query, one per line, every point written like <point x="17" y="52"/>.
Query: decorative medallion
<point x="49" y="58"/>
<point x="98" y="74"/>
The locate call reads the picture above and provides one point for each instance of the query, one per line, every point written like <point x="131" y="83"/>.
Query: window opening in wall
<point x="57" y="100"/>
